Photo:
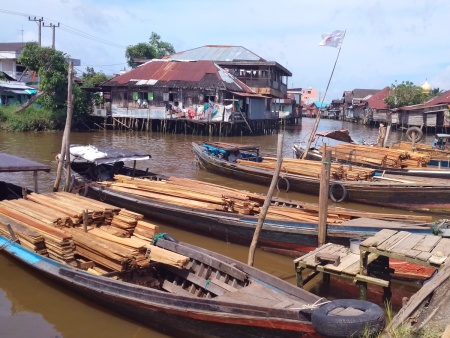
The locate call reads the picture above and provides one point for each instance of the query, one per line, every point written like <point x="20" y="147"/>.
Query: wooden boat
<point x="400" y="159"/>
<point x="363" y="187"/>
<point x="290" y="227"/>
<point x="176" y="287"/>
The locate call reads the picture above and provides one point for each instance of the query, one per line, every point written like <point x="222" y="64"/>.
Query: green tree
<point x="436" y="92"/>
<point x="405" y="94"/>
<point x="154" y="49"/>
<point x="87" y="99"/>
<point x="51" y="66"/>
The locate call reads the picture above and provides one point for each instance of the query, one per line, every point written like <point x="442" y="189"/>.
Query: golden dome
<point x="426" y="87"/>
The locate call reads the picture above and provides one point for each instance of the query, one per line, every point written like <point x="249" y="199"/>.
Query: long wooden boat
<point x="176" y="287"/>
<point x="427" y="195"/>
<point x="290" y="227"/>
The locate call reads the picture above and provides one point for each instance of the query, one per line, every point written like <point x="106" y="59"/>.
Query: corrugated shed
<point x="216" y="53"/>
<point x="180" y="74"/>
<point x="376" y="101"/>
<point x="363" y="93"/>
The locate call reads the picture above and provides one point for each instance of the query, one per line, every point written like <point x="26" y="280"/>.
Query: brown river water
<point x="31" y="306"/>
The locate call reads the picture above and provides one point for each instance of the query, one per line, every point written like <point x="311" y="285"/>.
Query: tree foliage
<point x="154" y="49"/>
<point x="51" y="66"/>
<point x="91" y="79"/>
<point x="405" y="94"/>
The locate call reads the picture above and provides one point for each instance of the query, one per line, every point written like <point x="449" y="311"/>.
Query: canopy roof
<point x="338" y="135"/>
<point x="11" y="163"/>
<point x="232" y="146"/>
<point x="100" y="155"/>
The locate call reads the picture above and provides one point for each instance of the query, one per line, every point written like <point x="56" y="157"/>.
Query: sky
<point x="386" y="42"/>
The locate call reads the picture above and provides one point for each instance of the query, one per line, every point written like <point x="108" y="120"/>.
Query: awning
<point x="11" y="163"/>
<point x="338" y="135"/>
<point x="249" y="95"/>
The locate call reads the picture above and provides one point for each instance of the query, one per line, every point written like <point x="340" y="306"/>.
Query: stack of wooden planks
<point x="80" y="231"/>
<point x="384" y="157"/>
<point x="425" y="150"/>
<point x="313" y="168"/>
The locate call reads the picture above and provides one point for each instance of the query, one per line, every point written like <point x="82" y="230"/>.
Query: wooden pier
<point x="331" y="259"/>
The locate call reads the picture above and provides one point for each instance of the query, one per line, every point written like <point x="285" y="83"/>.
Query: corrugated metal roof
<point x="216" y="53"/>
<point x="180" y="74"/>
<point x="11" y="46"/>
<point x="376" y="101"/>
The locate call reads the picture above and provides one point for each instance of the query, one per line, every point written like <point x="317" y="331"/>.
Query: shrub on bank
<point x="31" y="119"/>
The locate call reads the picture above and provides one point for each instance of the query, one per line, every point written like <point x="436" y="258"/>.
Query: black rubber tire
<point x="288" y="185"/>
<point x="84" y="189"/>
<point x="371" y="321"/>
<point x="334" y="189"/>
<point x="71" y="183"/>
<point x="417" y="130"/>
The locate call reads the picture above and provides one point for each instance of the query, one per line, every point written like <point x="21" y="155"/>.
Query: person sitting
<point x="234" y="156"/>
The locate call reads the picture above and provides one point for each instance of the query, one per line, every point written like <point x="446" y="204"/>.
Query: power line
<point x="69" y="29"/>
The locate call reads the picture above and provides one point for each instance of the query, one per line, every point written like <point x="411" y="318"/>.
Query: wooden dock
<point x="331" y="259"/>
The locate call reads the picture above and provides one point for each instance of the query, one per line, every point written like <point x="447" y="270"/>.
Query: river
<point x="32" y="307"/>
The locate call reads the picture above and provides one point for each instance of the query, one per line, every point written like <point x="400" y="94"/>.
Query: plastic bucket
<point x="354" y="245"/>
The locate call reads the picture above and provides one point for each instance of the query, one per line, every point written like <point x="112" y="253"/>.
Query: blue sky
<point x="386" y="41"/>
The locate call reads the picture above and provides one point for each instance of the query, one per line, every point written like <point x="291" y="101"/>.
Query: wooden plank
<point x="311" y="262"/>
<point x="379" y="238"/>
<point x="372" y="280"/>
<point x="399" y="243"/>
<point x="399" y="236"/>
<point x="312" y="252"/>
<point x="412" y="253"/>
<point x="427" y="244"/>
<point x="405" y="246"/>
<point x="442" y="248"/>
<point x="175" y="289"/>
<point x="355" y="268"/>
<point x="345" y="263"/>
<point x="423" y="256"/>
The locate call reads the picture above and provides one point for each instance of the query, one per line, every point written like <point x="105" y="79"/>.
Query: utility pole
<point x="53" y="26"/>
<point x="38" y="21"/>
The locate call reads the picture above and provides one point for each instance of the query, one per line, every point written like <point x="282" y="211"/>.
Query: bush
<point x="31" y="119"/>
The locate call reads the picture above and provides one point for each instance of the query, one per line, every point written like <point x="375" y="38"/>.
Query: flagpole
<point x="316" y="122"/>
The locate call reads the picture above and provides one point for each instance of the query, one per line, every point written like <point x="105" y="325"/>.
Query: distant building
<point x="305" y="95"/>
<point x="12" y="91"/>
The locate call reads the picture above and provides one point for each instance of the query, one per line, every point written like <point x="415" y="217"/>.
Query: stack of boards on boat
<point x="202" y="195"/>
<point x="53" y="225"/>
<point x="377" y="156"/>
<point x="313" y="168"/>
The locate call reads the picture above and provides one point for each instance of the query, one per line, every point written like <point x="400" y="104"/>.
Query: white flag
<point x="334" y="39"/>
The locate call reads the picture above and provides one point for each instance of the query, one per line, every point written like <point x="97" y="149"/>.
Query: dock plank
<point x="428" y="243"/>
<point x="398" y="244"/>
<point x="310" y="261"/>
<point x="405" y="246"/>
<point x="379" y="238"/>
<point x="399" y="236"/>
<point x="355" y="267"/>
<point x="349" y="260"/>
<point x="423" y="256"/>
<point x="313" y="252"/>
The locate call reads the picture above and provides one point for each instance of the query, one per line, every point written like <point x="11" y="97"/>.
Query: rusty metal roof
<point x="180" y="74"/>
<point x="11" y="163"/>
<point x="216" y="53"/>
<point x="376" y="101"/>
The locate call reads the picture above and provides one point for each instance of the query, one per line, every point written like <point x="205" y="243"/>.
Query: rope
<point x="313" y="306"/>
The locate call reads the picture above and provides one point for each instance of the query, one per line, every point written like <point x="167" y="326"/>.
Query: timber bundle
<point x="423" y="149"/>
<point x="384" y="157"/>
<point x="202" y="195"/>
<point x="54" y="225"/>
<point x="311" y="168"/>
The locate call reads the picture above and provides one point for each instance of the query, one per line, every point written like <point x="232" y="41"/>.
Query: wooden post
<point x="35" y="181"/>
<point x="267" y="201"/>
<point x="323" y="196"/>
<point x="386" y="138"/>
<point x="65" y="144"/>
<point x="85" y="220"/>
<point x="363" y="262"/>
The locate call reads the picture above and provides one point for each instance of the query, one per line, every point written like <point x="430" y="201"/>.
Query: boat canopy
<point x="101" y="155"/>
<point x="338" y="135"/>
<point x="11" y="163"/>
<point x="232" y="146"/>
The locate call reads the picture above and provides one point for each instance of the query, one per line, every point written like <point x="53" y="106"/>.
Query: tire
<point x="411" y="131"/>
<point x="71" y="183"/>
<point x="335" y="188"/>
<point x="369" y="322"/>
<point x="83" y="190"/>
<point x="283" y="179"/>
<point x="169" y="238"/>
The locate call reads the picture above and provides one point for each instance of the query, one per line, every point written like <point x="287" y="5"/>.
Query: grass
<point x="31" y="119"/>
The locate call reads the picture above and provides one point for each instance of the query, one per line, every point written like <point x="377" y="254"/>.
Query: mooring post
<point x="323" y="196"/>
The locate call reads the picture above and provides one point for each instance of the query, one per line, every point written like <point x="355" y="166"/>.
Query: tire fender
<point x="288" y="185"/>
<point x="334" y="189"/>
<point x="369" y="319"/>
<point x="411" y="131"/>
<point x="84" y="189"/>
